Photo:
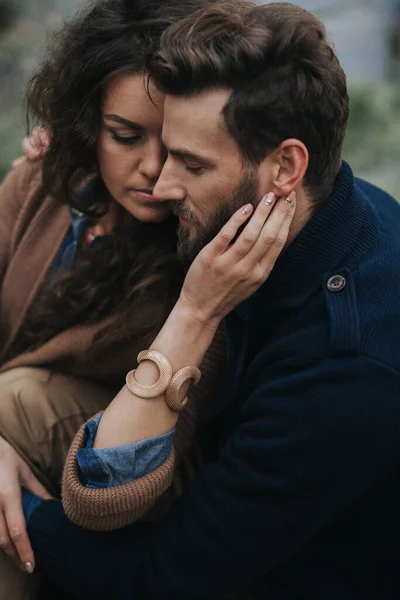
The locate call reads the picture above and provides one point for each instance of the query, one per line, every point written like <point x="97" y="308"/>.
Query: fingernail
<point x="269" y="198"/>
<point x="247" y="209"/>
<point x="289" y="199"/>
<point x="29" y="567"/>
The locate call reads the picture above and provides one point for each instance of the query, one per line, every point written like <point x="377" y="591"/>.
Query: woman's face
<point x="130" y="152"/>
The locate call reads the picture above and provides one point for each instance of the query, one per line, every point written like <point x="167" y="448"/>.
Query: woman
<point x="87" y="257"/>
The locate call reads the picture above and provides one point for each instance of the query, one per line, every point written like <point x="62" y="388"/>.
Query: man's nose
<point x="168" y="186"/>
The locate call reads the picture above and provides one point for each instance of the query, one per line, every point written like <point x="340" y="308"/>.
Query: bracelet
<point x="158" y="388"/>
<point x="172" y="395"/>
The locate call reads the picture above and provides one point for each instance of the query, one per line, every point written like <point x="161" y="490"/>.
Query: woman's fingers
<point x="31" y="483"/>
<point x="222" y="241"/>
<point x="5" y="542"/>
<point x="43" y="136"/>
<point x="251" y="232"/>
<point x="32" y="149"/>
<point x="274" y="233"/>
<point x="16" y="526"/>
<point x="269" y="257"/>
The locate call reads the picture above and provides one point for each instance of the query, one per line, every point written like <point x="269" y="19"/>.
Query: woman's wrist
<point x="199" y="317"/>
<point x="184" y="340"/>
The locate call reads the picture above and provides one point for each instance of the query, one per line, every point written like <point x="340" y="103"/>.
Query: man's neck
<point x="305" y="210"/>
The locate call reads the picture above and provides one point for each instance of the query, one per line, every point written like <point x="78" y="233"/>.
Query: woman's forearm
<point x="225" y="272"/>
<point x="184" y="340"/>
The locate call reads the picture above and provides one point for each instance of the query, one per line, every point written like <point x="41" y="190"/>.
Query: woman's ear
<point x="291" y="162"/>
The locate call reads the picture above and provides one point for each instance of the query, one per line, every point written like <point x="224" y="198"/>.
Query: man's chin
<point x="189" y="245"/>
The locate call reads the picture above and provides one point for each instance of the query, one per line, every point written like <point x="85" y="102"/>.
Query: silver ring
<point x="289" y="200"/>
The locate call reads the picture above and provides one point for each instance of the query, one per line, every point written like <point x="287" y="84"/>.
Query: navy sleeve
<point x="309" y="443"/>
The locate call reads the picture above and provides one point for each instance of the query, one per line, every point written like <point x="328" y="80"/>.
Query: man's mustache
<point x="181" y="211"/>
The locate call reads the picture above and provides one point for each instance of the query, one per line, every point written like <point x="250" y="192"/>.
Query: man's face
<point x="205" y="177"/>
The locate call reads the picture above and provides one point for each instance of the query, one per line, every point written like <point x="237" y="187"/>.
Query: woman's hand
<point x="224" y="274"/>
<point x="34" y="146"/>
<point x="14" y="473"/>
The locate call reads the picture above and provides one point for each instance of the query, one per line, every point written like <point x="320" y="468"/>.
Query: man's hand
<point x="34" y="146"/>
<point x="14" y="473"/>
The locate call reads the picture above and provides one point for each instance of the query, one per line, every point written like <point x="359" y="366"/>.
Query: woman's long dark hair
<point x="134" y="270"/>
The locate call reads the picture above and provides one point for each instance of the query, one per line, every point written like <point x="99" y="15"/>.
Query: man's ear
<point x="290" y="165"/>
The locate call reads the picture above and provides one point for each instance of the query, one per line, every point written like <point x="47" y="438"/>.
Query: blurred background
<point x="366" y="35"/>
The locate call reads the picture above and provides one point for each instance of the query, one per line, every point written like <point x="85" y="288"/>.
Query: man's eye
<point x="124" y="139"/>
<point x="194" y="170"/>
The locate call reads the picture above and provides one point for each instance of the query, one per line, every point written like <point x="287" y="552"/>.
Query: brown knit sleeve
<point x="104" y="509"/>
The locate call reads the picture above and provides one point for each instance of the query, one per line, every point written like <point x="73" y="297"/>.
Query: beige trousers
<point x="40" y="413"/>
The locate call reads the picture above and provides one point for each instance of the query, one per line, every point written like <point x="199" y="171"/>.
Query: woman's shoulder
<point x="28" y="177"/>
<point x="22" y="182"/>
<point x="22" y="194"/>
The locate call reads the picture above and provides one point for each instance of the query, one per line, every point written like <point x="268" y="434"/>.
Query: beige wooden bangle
<point x="172" y="395"/>
<point x="158" y="388"/>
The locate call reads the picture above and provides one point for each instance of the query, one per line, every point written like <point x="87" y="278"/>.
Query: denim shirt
<point x="103" y="467"/>
<point x="106" y="467"/>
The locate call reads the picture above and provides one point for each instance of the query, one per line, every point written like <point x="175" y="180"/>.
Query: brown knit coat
<point x="33" y="226"/>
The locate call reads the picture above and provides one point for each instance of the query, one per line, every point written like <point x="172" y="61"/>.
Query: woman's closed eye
<point x="124" y="138"/>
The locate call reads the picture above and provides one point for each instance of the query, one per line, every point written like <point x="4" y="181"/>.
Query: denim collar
<point x="79" y="223"/>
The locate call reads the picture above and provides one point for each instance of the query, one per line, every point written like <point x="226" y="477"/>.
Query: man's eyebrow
<point x="122" y="121"/>
<point x="183" y="153"/>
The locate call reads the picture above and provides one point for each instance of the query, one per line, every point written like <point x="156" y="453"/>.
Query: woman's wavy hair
<point x="127" y="273"/>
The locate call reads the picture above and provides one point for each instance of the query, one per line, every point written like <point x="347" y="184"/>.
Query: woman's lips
<point x="145" y="195"/>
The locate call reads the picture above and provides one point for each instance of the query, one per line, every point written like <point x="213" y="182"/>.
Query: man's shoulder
<point x="377" y="273"/>
<point x="387" y="207"/>
<point x="373" y="190"/>
<point x="362" y="316"/>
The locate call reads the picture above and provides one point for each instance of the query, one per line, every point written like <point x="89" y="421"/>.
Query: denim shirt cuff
<point x="30" y="503"/>
<point x="108" y="467"/>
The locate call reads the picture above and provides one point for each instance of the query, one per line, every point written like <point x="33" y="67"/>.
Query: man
<point x="300" y="499"/>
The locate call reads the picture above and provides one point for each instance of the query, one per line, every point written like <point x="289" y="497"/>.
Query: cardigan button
<point x="336" y="283"/>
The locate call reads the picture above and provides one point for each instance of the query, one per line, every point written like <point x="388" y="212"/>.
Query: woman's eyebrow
<point x="123" y="121"/>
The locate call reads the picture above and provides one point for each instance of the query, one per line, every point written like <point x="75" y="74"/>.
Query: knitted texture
<point x="104" y="509"/>
<point x="113" y="507"/>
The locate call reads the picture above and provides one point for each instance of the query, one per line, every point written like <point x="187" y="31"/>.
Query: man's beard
<point x="247" y="192"/>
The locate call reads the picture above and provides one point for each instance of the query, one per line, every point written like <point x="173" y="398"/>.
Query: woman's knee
<point x="24" y="405"/>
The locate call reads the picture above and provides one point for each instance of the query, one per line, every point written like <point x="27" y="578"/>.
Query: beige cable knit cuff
<point x="104" y="509"/>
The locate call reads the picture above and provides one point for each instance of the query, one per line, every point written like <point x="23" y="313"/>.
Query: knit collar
<point x="339" y="233"/>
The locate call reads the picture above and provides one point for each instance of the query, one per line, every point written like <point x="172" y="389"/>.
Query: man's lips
<point x="183" y="221"/>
